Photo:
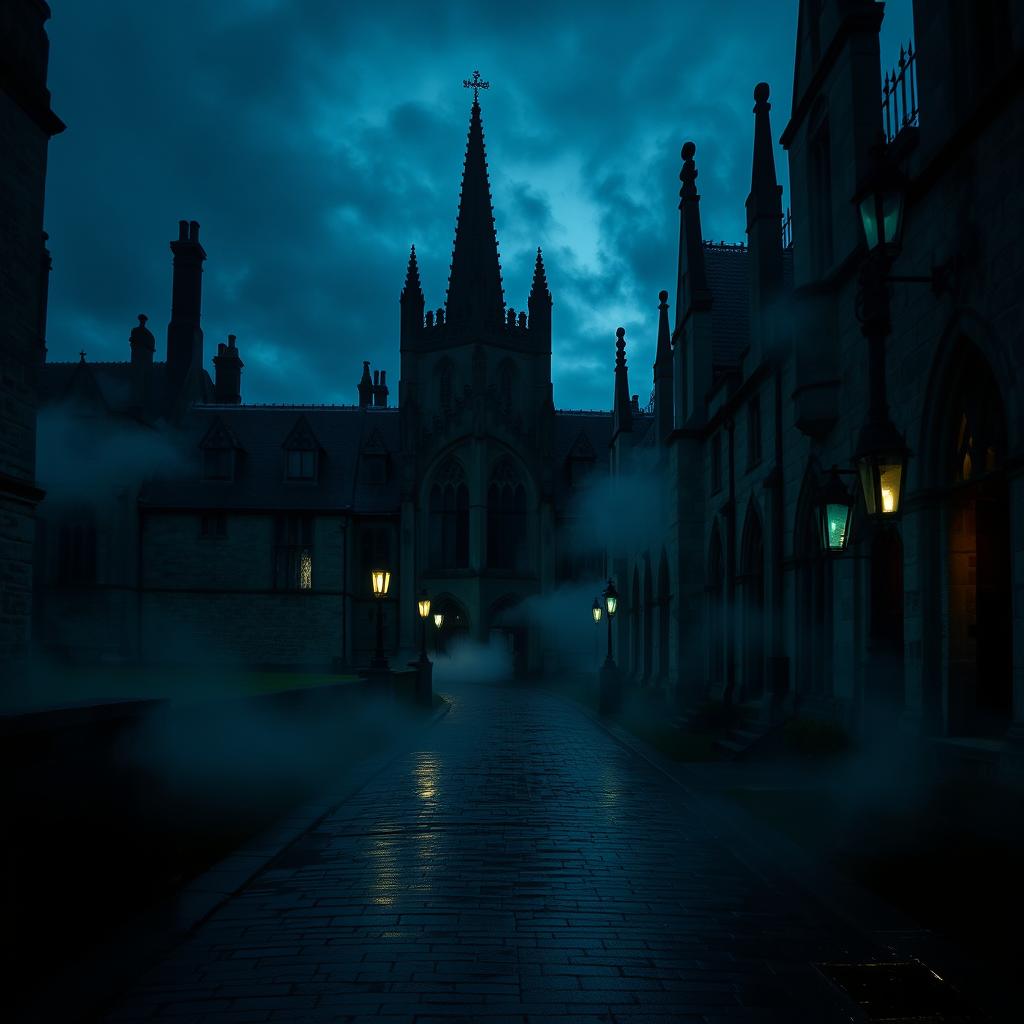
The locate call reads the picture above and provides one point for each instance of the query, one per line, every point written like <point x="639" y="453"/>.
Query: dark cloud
<point x="315" y="141"/>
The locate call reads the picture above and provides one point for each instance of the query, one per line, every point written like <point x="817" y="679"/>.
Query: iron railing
<point x="899" y="94"/>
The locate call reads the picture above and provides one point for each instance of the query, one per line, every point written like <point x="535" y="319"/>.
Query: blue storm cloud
<point x="315" y="140"/>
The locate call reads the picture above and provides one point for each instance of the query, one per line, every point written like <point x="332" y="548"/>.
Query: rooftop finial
<point x="476" y="84"/>
<point x="688" y="175"/>
<point x="620" y="348"/>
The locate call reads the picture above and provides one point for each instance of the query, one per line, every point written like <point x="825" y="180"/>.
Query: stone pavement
<point x="520" y="866"/>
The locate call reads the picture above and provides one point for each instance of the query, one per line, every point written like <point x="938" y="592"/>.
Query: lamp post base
<point x="609" y="690"/>
<point x="424" y="682"/>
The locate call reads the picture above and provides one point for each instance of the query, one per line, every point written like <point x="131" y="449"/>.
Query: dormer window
<point x="218" y="464"/>
<point x="301" y="453"/>
<point x="301" y="465"/>
<point x="219" y="450"/>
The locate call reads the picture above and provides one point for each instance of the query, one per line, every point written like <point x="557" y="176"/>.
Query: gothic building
<point x="27" y="123"/>
<point x="763" y="386"/>
<point x="257" y="542"/>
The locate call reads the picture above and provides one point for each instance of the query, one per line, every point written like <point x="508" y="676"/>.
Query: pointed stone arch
<point x="448" y="516"/>
<point x="664" y="601"/>
<point x="506" y="517"/>
<point x="752" y="590"/>
<point x="970" y="426"/>
<point x="813" y="598"/>
<point x="634" y="623"/>
<point x="648" y="624"/>
<point x="715" y="600"/>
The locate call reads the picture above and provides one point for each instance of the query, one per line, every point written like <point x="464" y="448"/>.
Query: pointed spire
<point x="413" y="289"/>
<point x="663" y="359"/>
<point x="540" y="280"/>
<point x="764" y="199"/>
<point x="692" y="286"/>
<point x="764" y="232"/>
<point x="623" y="411"/>
<point x="475" y="296"/>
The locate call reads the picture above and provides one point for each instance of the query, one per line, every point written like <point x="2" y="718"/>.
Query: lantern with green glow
<point x="880" y="201"/>
<point x="596" y="610"/>
<point x="835" y="511"/>
<point x="611" y="599"/>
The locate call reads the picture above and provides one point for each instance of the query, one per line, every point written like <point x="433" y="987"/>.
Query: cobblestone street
<point x="521" y="865"/>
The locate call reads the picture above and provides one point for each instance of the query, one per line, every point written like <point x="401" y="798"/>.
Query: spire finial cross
<point x="476" y="84"/>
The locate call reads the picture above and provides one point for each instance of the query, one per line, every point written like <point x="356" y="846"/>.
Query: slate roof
<point x="261" y="431"/>
<point x="111" y="384"/>
<point x="728" y="275"/>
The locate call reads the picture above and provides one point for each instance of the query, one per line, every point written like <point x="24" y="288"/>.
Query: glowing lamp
<point x="381" y="580"/>
<point x="880" y="201"/>
<point x="423" y="605"/>
<point x="881" y="478"/>
<point x="597" y="609"/>
<point x="611" y="599"/>
<point x="438" y="619"/>
<point x="835" y="510"/>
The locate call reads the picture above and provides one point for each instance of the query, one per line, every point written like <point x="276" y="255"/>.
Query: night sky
<point x="315" y="140"/>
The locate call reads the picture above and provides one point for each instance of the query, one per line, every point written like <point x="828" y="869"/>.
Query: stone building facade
<point x="27" y="124"/>
<point x="245" y="534"/>
<point x="920" y="621"/>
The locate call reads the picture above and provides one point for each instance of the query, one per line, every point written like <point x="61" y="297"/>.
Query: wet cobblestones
<point x="520" y="866"/>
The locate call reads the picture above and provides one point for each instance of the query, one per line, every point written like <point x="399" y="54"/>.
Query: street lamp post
<point x="424" y="669"/>
<point x="881" y="452"/>
<point x="380" y="580"/>
<point x="609" y="680"/>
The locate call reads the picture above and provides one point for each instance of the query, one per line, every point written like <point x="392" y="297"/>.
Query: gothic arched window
<point x="445" y="386"/>
<point x="449" y="518"/>
<point x="820" y="155"/>
<point x="507" y="374"/>
<point x="506" y="519"/>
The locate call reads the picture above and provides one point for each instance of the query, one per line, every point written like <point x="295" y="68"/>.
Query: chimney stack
<point x="227" y="388"/>
<point x="184" y="335"/>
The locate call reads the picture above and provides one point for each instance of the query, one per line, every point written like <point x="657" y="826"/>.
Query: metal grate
<point x="900" y="992"/>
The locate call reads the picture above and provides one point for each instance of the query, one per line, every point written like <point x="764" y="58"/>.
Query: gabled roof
<point x="111" y="383"/>
<point x="260" y="432"/>
<point x="301" y="437"/>
<point x="219" y="436"/>
<point x="374" y="444"/>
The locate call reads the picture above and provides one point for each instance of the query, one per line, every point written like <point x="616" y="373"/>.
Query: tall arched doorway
<point x="634" y="625"/>
<point x="507" y="630"/>
<point x="715" y="591"/>
<point x="454" y="624"/>
<point x="883" y="682"/>
<point x="979" y="552"/>
<point x="664" y="602"/>
<point x="752" y="589"/>
<point x="813" y="602"/>
<point x="648" y="621"/>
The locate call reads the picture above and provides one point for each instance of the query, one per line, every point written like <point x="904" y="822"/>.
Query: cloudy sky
<point x="315" y="140"/>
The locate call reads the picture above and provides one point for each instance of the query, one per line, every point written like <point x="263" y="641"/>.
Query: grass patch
<point x="65" y="685"/>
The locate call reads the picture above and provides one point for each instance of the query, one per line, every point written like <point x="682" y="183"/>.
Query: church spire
<point x="622" y="412"/>
<point x="411" y="303"/>
<point x="413" y="289"/>
<point x="540" y="279"/>
<point x="539" y="304"/>
<point x="475" y="296"/>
